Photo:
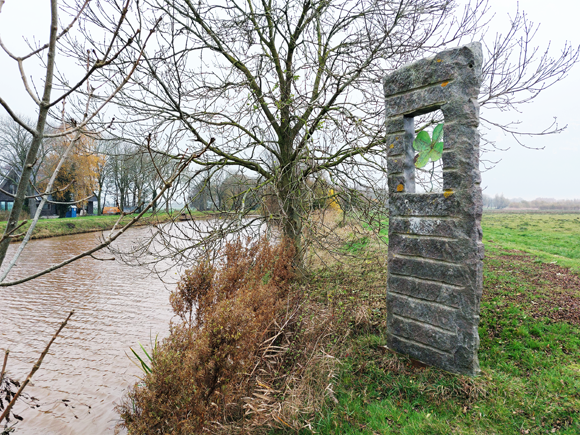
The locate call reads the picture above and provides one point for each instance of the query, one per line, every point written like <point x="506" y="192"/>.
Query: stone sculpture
<point x="435" y="277"/>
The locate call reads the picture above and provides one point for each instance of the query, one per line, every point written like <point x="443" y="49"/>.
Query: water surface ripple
<point x="87" y="369"/>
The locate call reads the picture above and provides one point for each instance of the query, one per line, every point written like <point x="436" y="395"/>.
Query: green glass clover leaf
<point x="423" y="158"/>
<point x="429" y="148"/>
<point x="438" y="133"/>
<point x="436" y="152"/>
<point x="422" y="142"/>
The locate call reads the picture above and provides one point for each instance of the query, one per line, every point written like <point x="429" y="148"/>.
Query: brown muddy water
<point x="87" y="370"/>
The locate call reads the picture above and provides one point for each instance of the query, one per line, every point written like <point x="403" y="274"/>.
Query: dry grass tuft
<point x="293" y="377"/>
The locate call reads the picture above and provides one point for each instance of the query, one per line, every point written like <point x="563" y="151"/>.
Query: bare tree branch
<point x="35" y="367"/>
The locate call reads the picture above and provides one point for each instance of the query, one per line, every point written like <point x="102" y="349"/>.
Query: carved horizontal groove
<point x="424" y="301"/>
<point x="428" y="260"/>
<point x="437" y="328"/>
<point x="439" y="218"/>
<point x="424" y="216"/>
<point x="431" y="281"/>
<point x="426" y="236"/>
<point x="420" y="88"/>
<point x="426" y="346"/>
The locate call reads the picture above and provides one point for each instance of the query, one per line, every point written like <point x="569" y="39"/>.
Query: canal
<point x="87" y="370"/>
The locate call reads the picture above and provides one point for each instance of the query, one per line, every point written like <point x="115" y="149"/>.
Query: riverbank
<point x="46" y="228"/>
<point x="325" y="368"/>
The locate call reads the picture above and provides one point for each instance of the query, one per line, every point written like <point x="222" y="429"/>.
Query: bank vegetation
<point x="272" y="352"/>
<point x="47" y="228"/>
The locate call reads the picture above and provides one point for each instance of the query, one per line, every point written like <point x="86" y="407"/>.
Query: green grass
<point x="357" y="244"/>
<point x="549" y="237"/>
<point x="67" y="226"/>
<point x="530" y="357"/>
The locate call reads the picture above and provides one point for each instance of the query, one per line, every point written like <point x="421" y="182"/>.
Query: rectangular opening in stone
<point x="428" y="148"/>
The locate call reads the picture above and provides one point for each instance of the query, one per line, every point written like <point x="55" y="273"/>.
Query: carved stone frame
<point x="435" y="269"/>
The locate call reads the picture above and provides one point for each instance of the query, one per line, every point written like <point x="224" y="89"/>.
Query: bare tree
<point x="87" y="97"/>
<point x="14" y="144"/>
<point x="102" y="172"/>
<point x="501" y="201"/>
<point x="292" y="90"/>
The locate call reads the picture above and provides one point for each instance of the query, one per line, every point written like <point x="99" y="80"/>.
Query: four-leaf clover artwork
<point x="429" y="148"/>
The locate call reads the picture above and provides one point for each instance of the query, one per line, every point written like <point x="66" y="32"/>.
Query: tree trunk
<point x="291" y="220"/>
<point x="32" y="206"/>
<point x="122" y="199"/>
<point x="99" y="203"/>
<point x="37" y="138"/>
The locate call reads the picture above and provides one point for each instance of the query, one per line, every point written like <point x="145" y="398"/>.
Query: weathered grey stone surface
<point x="435" y="271"/>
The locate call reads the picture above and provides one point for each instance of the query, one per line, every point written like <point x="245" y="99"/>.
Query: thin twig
<point x="4" y="366"/>
<point x="102" y="259"/>
<point x="112" y="235"/>
<point x="34" y="368"/>
<point x="16" y="236"/>
<point x="9" y="234"/>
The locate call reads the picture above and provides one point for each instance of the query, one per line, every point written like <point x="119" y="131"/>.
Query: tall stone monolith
<point x="435" y="266"/>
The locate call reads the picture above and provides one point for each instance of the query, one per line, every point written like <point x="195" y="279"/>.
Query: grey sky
<point x="551" y="172"/>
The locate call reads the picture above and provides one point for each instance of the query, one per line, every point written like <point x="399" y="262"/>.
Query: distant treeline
<point x="501" y="202"/>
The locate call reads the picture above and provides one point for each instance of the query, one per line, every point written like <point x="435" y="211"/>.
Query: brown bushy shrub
<point x="202" y="372"/>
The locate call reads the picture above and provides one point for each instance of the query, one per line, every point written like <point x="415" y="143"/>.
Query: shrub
<point x="202" y="372"/>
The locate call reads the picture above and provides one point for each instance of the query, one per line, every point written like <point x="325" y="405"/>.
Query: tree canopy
<point x="291" y="91"/>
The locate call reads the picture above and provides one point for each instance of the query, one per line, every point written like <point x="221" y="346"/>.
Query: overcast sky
<point x="554" y="171"/>
<point x="551" y="172"/>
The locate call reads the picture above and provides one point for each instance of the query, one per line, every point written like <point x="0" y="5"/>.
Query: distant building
<point x="49" y="209"/>
<point x="8" y="187"/>
<point x="92" y="205"/>
<point x="7" y="190"/>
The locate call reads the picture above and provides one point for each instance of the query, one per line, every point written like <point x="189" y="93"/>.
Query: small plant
<point x="145" y="366"/>
<point x="428" y="148"/>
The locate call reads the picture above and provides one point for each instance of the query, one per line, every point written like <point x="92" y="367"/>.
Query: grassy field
<point x="67" y="226"/>
<point x="529" y="353"/>
<point x="548" y="237"/>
